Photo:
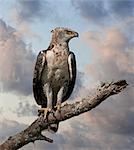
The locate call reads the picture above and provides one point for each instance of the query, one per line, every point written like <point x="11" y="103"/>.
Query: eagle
<point x="55" y="73"/>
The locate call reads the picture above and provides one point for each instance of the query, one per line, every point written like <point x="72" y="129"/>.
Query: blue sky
<point x="104" y="52"/>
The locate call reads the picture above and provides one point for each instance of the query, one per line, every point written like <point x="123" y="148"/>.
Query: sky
<point x="104" y="52"/>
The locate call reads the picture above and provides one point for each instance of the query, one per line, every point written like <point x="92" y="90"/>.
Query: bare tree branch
<point x="33" y="132"/>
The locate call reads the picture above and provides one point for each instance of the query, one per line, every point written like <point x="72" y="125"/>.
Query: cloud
<point x="25" y="12"/>
<point x="1" y="110"/>
<point x="113" y="54"/>
<point x="91" y="10"/>
<point x="17" y="61"/>
<point x="30" y="11"/>
<point x="9" y="128"/>
<point x="122" y="8"/>
<point x="26" y="109"/>
<point x="103" y="12"/>
<point x="79" y="88"/>
<point x="113" y="59"/>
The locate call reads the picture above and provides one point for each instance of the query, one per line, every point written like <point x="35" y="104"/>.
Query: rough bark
<point x="33" y="132"/>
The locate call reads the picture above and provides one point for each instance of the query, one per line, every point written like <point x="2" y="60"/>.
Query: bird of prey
<point x="55" y="72"/>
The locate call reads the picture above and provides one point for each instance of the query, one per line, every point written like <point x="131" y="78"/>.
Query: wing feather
<point x="72" y="75"/>
<point x="37" y="84"/>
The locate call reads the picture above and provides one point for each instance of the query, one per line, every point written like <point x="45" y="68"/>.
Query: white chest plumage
<point x="56" y="71"/>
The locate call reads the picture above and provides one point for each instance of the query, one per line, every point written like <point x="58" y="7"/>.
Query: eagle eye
<point x="69" y="32"/>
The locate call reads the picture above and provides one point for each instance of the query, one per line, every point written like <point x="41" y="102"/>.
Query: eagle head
<point x="61" y="34"/>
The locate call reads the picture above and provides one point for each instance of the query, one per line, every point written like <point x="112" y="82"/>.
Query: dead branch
<point x="33" y="132"/>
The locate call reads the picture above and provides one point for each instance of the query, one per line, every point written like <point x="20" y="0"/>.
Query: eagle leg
<point x="60" y="97"/>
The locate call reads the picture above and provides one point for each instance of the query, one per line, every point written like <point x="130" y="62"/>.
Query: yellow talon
<point x="45" y="111"/>
<point x="58" y="106"/>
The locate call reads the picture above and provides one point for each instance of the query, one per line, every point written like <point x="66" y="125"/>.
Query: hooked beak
<point x="76" y="34"/>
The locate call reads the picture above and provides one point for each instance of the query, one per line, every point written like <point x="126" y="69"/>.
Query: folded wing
<point x="72" y="75"/>
<point x="37" y="84"/>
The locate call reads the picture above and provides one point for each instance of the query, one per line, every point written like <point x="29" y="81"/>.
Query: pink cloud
<point x="16" y="61"/>
<point x="110" y="45"/>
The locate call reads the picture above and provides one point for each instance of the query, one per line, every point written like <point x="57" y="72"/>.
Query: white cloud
<point x="17" y="62"/>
